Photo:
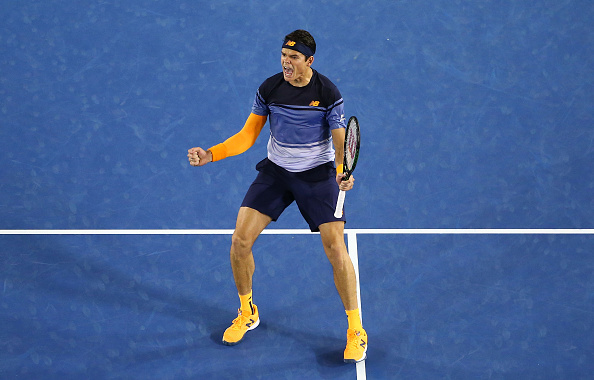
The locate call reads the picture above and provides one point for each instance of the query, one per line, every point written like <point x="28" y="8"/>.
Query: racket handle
<point x="339" y="204"/>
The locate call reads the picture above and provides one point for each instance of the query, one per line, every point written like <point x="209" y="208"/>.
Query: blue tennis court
<point x="471" y="214"/>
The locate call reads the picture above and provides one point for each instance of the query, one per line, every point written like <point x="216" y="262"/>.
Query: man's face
<point x="296" y="68"/>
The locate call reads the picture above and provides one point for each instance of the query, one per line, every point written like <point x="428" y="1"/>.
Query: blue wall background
<point x="474" y="114"/>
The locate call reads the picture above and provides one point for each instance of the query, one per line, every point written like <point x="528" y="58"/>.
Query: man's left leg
<point x="346" y="283"/>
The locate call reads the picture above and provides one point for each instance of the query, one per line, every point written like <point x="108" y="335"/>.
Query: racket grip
<point x="339" y="204"/>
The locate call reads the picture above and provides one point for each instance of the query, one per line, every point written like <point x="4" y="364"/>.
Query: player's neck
<point x="303" y="80"/>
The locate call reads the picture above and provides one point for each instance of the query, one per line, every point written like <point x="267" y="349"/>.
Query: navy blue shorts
<point x="315" y="192"/>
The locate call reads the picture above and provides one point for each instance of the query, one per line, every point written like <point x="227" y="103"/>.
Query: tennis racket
<point x="352" y="142"/>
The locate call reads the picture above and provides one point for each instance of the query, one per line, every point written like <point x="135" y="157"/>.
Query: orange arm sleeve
<point x="242" y="140"/>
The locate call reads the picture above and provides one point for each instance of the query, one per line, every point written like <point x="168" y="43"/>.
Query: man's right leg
<point x="250" y="223"/>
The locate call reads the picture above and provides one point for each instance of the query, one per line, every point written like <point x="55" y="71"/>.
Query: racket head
<point x="352" y="143"/>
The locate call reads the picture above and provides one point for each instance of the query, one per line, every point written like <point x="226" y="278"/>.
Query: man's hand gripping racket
<point x="352" y="142"/>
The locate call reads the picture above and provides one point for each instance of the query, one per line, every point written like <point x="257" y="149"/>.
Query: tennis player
<point x="304" y="164"/>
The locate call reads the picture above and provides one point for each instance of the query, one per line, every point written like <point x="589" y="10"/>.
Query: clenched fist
<point x="199" y="157"/>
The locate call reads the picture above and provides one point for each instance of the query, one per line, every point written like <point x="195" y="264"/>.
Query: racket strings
<point x="351" y="147"/>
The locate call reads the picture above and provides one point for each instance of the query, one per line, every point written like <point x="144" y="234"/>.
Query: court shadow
<point x="327" y="349"/>
<point x="216" y="336"/>
<point x="331" y="358"/>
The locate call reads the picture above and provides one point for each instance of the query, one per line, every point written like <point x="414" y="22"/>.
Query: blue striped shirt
<point x="301" y="120"/>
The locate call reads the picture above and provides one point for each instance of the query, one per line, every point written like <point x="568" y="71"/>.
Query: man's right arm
<point x="234" y="145"/>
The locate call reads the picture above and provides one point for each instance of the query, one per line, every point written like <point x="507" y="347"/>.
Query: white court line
<point x="475" y="231"/>
<point x="354" y="255"/>
<point x="394" y="231"/>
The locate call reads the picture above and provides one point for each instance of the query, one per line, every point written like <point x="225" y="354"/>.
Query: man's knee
<point x="333" y="241"/>
<point x="241" y="246"/>
<point x="336" y="252"/>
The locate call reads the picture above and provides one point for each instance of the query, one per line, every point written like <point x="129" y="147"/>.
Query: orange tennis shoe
<point x="242" y="324"/>
<point x="356" y="348"/>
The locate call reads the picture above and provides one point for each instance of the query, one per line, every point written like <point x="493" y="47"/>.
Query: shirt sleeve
<point x="260" y="107"/>
<point x="335" y="115"/>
